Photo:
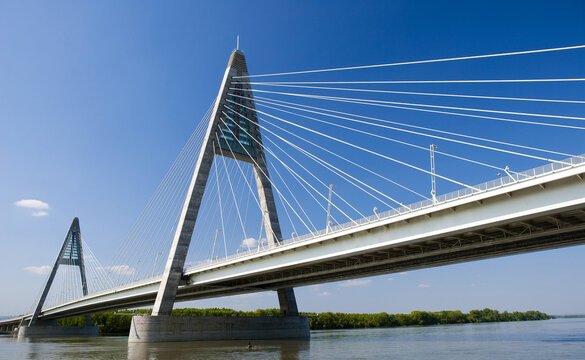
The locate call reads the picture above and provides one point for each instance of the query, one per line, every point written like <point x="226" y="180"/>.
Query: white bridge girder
<point x="540" y="213"/>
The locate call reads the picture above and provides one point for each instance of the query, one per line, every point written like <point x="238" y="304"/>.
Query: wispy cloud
<point x="249" y="243"/>
<point x="357" y="282"/>
<point x="39" y="270"/>
<point x="41" y="207"/>
<point x="121" y="269"/>
<point x="325" y="293"/>
<point x="390" y="279"/>
<point x="424" y="286"/>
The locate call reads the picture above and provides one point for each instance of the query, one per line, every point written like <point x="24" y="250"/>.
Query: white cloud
<point x="249" y="243"/>
<point x="40" y="213"/>
<point x="424" y="286"/>
<point x="357" y="282"/>
<point x="121" y="269"/>
<point x="39" y="270"/>
<point x="473" y="285"/>
<point x="390" y="278"/>
<point x="325" y="293"/>
<point x="32" y="204"/>
<point x="403" y="273"/>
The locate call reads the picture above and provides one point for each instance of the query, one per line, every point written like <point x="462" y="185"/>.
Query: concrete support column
<point x="287" y="302"/>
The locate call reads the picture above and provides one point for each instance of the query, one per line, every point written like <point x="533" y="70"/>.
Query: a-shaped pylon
<point x="71" y="254"/>
<point x="236" y="136"/>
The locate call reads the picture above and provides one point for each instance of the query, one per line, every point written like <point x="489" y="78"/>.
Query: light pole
<point x="433" y="180"/>
<point x="328" y="223"/>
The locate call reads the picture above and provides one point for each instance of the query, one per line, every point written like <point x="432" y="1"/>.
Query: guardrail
<point x="503" y="181"/>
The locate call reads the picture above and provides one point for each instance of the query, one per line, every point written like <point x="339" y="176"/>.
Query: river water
<point x="550" y="339"/>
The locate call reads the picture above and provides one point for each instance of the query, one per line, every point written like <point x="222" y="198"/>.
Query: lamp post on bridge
<point x="328" y="223"/>
<point x="433" y="180"/>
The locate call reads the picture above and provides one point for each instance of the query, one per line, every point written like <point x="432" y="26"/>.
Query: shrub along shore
<point x="119" y="322"/>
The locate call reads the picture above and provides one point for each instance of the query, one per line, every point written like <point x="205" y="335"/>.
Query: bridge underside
<point x="548" y="232"/>
<point x="544" y="214"/>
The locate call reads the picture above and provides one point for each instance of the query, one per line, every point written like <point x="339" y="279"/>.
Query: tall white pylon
<point x="238" y="145"/>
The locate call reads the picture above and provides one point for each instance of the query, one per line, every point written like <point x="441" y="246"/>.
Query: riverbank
<point x="111" y="323"/>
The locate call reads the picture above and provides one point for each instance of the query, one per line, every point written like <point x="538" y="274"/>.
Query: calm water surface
<point x="552" y="339"/>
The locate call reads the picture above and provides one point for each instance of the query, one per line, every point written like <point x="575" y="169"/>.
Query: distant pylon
<point x="235" y="135"/>
<point x="71" y="254"/>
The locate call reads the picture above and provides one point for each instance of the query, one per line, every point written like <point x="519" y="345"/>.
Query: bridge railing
<point x="502" y="181"/>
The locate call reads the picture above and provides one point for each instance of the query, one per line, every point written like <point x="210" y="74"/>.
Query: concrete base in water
<point x="185" y="328"/>
<point x="54" y="330"/>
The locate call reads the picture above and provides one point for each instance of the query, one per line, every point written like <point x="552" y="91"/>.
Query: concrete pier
<point x="165" y="328"/>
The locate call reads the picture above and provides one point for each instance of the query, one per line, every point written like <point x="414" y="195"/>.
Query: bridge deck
<point x="540" y="209"/>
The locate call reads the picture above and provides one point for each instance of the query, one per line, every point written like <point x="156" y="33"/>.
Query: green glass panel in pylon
<point x="71" y="254"/>
<point x="236" y="132"/>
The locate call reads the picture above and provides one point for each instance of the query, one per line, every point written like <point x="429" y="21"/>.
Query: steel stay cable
<point x="366" y="150"/>
<point x="269" y="179"/>
<point x="277" y="158"/>
<point x="152" y="223"/>
<point x="387" y="138"/>
<point x="457" y="114"/>
<point x="161" y="189"/>
<point x="343" y="158"/>
<point x="297" y="177"/>
<point x="426" y="94"/>
<point x="178" y="189"/>
<point x="266" y="175"/>
<point x="419" y="61"/>
<point x="475" y="81"/>
<point x="302" y="108"/>
<point x="337" y="171"/>
<point x="178" y="197"/>
<point x="296" y="200"/>
<point x="313" y="175"/>
<point x="219" y="188"/>
<point x="220" y="206"/>
<point x="284" y="205"/>
<point x="165" y="179"/>
<point x="359" y="100"/>
<point x="409" y="131"/>
<point x="238" y="203"/>
<point x="173" y="203"/>
<point x="257" y="200"/>
<point x="232" y="190"/>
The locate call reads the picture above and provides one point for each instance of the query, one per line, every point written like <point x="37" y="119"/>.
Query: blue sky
<point x="97" y="99"/>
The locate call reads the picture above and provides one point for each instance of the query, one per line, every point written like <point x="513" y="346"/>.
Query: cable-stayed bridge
<point x="340" y="175"/>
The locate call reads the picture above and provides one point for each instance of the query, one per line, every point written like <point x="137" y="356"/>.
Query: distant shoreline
<point x="574" y="316"/>
<point x="119" y="322"/>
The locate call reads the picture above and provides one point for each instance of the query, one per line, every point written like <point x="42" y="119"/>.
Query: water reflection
<point x="530" y="340"/>
<point x="235" y="349"/>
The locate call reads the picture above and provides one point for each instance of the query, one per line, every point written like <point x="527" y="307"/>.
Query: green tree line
<point x="119" y="322"/>
<point x="330" y="320"/>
